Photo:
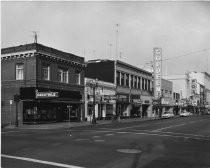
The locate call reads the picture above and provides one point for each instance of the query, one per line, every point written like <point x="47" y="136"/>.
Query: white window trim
<point x="22" y="68"/>
<point x="48" y="71"/>
<point x="62" y="71"/>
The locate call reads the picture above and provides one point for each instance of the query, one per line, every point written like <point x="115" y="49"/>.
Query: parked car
<point x="185" y="114"/>
<point x="167" y="115"/>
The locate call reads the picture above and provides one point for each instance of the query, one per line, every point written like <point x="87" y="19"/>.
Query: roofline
<point x="120" y="62"/>
<point x="37" y="47"/>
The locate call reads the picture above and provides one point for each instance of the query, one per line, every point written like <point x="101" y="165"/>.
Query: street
<point x="166" y="143"/>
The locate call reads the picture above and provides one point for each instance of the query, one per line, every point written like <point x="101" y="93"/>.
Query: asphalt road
<point x="166" y="143"/>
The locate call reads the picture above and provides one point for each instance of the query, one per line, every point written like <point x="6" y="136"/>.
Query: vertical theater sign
<point x="157" y="71"/>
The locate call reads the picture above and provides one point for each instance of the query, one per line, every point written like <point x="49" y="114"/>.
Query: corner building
<point x="50" y="84"/>
<point x="134" y="86"/>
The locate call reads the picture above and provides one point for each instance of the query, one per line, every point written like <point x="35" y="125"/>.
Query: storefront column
<point x="128" y="110"/>
<point x="149" y="111"/>
<point x="96" y="110"/>
<point x="103" y="106"/>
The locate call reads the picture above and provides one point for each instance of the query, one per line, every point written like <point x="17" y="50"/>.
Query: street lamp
<point x="94" y="85"/>
<point x="69" y="109"/>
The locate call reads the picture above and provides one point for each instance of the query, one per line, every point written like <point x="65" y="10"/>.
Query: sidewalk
<point x="76" y="124"/>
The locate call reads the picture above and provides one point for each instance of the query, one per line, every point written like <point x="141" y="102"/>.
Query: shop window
<point x="19" y="71"/>
<point x="45" y="72"/>
<point x="63" y="75"/>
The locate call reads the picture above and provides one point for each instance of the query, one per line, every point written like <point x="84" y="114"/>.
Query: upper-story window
<point x="77" y="77"/>
<point x="149" y="86"/>
<point x="45" y="72"/>
<point x="118" y="78"/>
<point x="122" y="79"/>
<point x="19" y="71"/>
<point x="142" y="84"/>
<point x="145" y="84"/>
<point x="63" y="75"/>
<point x="126" y="79"/>
<point x="135" y="82"/>
<point x="139" y="83"/>
<point x="131" y="81"/>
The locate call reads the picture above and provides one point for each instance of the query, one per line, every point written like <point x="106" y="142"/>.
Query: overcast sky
<point x="87" y="28"/>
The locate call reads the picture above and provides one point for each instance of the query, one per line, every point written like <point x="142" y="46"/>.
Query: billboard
<point x="157" y="52"/>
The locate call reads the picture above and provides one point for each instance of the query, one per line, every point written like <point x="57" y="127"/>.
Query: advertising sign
<point x="194" y="86"/>
<point x="46" y="94"/>
<point x="157" y="71"/>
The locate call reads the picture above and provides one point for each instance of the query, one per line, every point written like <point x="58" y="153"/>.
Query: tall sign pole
<point x="157" y="56"/>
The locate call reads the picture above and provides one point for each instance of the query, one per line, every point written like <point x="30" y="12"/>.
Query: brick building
<point x="133" y="86"/>
<point x="47" y="81"/>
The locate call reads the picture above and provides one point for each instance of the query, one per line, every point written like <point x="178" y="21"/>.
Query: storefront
<point x="122" y="105"/>
<point x="50" y="105"/>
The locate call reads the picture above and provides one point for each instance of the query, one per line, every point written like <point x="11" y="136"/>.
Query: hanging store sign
<point x="157" y="52"/>
<point x="46" y="94"/>
<point x="193" y="86"/>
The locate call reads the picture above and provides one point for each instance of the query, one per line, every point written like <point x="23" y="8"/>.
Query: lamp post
<point x="16" y="100"/>
<point x="94" y="85"/>
<point x="69" y="109"/>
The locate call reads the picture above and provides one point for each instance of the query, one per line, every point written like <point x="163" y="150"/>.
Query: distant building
<point x="46" y="80"/>
<point x="167" y="103"/>
<point x="134" y="86"/>
<point x="194" y="89"/>
<point x="200" y="90"/>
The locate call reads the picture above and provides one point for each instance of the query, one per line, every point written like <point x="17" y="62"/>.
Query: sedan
<point x="185" y="114"/>
<point x="167" y="115"/>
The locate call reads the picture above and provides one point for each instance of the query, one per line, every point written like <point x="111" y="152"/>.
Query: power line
<point x="184" y="55"/>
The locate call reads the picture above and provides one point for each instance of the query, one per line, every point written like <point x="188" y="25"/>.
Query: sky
<point x="87" y="28"/>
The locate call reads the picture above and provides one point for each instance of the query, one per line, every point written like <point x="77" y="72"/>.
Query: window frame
<point x="63" y="73"/>
<point x="19" y="77"/>
<point x="45" y="67"/>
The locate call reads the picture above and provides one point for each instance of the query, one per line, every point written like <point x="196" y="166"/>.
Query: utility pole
<point x="117" y="25"/>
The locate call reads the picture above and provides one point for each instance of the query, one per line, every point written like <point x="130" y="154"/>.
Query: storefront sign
<point x="157" y="71"/>
<point x="46" y="94"/>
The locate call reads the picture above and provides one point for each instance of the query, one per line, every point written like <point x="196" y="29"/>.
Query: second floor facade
<point x="35" y="65"/>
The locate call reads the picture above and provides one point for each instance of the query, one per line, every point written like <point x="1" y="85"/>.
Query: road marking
<point x="41" y="161"/>
<point x="81" y="139"/>
<point x="179" y="133"/>
<point x="9" y="132"/>
<point x="169" y="127"/>
<point x="176" y="136"/>
<point x="96" y="136"/>
<point x="109" y="134"/>
<point x="99" y="140"/>
<point x="178" y="125"/>
<point x="122" y="132"/>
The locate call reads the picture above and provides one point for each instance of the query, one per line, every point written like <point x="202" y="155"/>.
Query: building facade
<point x="49" y="84"/>
<point x="134" y="86"/>
<point x="105" y="99"/>
<point x="165" y="103"/>
<point x="200" y="90"/>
